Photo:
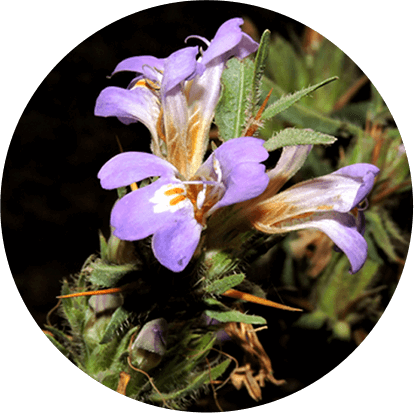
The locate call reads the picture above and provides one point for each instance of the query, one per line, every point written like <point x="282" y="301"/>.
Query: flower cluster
<point x="176" y="99"/>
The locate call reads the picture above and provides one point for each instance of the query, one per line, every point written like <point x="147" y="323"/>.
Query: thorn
<point x="255" y="123"/>
<point x="257" y="300"/>
<point x="89" y="293"/>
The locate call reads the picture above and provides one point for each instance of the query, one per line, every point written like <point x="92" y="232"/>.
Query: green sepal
<point x="293" y="137"/>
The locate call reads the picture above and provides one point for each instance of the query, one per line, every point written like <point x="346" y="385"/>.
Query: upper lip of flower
<point x="174" y="209"/>
<point x="176" y="97"/>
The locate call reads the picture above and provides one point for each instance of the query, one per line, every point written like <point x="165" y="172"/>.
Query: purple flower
<point x="175" y="210"/>
<point x="330" y="203"/>
<point x="176" y="97"/>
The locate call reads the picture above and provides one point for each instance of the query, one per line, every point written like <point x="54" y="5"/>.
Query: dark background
<point x="52" y="204"/>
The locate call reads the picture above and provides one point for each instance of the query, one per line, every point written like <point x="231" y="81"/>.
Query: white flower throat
<point x="198" y="195"/>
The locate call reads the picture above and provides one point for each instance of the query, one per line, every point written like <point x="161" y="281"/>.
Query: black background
<point x="53" y="205"/>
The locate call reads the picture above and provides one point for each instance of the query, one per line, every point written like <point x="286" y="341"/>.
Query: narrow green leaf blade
<point x="292" y="137"/>
<point x="220" y="286"/>
<point x="259" y="65"/>
<point x="288" y="100"/>
<point x="232" y="109"/>
<point x="235" y="317"/>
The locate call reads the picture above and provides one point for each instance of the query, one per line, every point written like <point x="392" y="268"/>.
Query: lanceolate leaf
<point x="235" y="316"/>
<point x="259" y="66"/>
<point x="288" y="100"/>
<point x="220" y="286"/>
<point x="231" y="111"/>
<point x="292" y="137"/>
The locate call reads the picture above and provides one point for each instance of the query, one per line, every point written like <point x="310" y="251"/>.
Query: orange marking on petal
<point x="325" y="207"/>
<point x="177" y="200"/>
<point x="174" y="191"/>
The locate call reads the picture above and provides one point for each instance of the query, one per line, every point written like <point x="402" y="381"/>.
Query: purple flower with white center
<point x="176" y="97"/>
<point x="174" y="209"/>
<point x="330" y="203"/>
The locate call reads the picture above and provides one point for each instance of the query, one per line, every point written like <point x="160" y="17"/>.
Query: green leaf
<point x="235" y="317"/>
<point x="301" y="116"/>
<point x="259" y="66"/>
<point x="107" y="275"/>
<point x="59" y="346"/>
<point x="195" y="383"/>
<point x="220" y="286"/>
<point x="380" y="235"/>
<point x="288" y="100"/>
<point x="231" y="111"/>
<point x="292" y="137"/>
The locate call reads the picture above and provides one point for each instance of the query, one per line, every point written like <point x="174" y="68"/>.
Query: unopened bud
<point x="150" y="345"/>
<point x="105" y="303"/>
<point x="101" y="308"/>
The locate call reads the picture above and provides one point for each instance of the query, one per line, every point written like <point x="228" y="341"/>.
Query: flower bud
<point x="150" y="345"/>
<point x="105" y="303"/>
<point x="99" y="316"/>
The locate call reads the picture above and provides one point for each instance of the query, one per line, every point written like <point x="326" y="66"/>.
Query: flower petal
<point x="230" y="40"/>
<point x="246" y="181"/>
<point x="129" y="167"/>
<point x="140" y="64"/>
<point x="336" y="191"/>
<point x="339" y="227"/>
<point x="180" y="66"/>
<point x="365" y="173"/>
<point x="174" y="245"/>
<point x="138" y="104"/>
<point x="135" y="217"/>
<point x="236" y="151"/>
<point x="290" y="161"/>
<point x="235" y="164"/>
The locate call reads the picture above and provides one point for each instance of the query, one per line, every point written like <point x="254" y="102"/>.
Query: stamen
<point x="174" y="191"/>
<point x="177" y="200"/>
<point x="203" y="39"/>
